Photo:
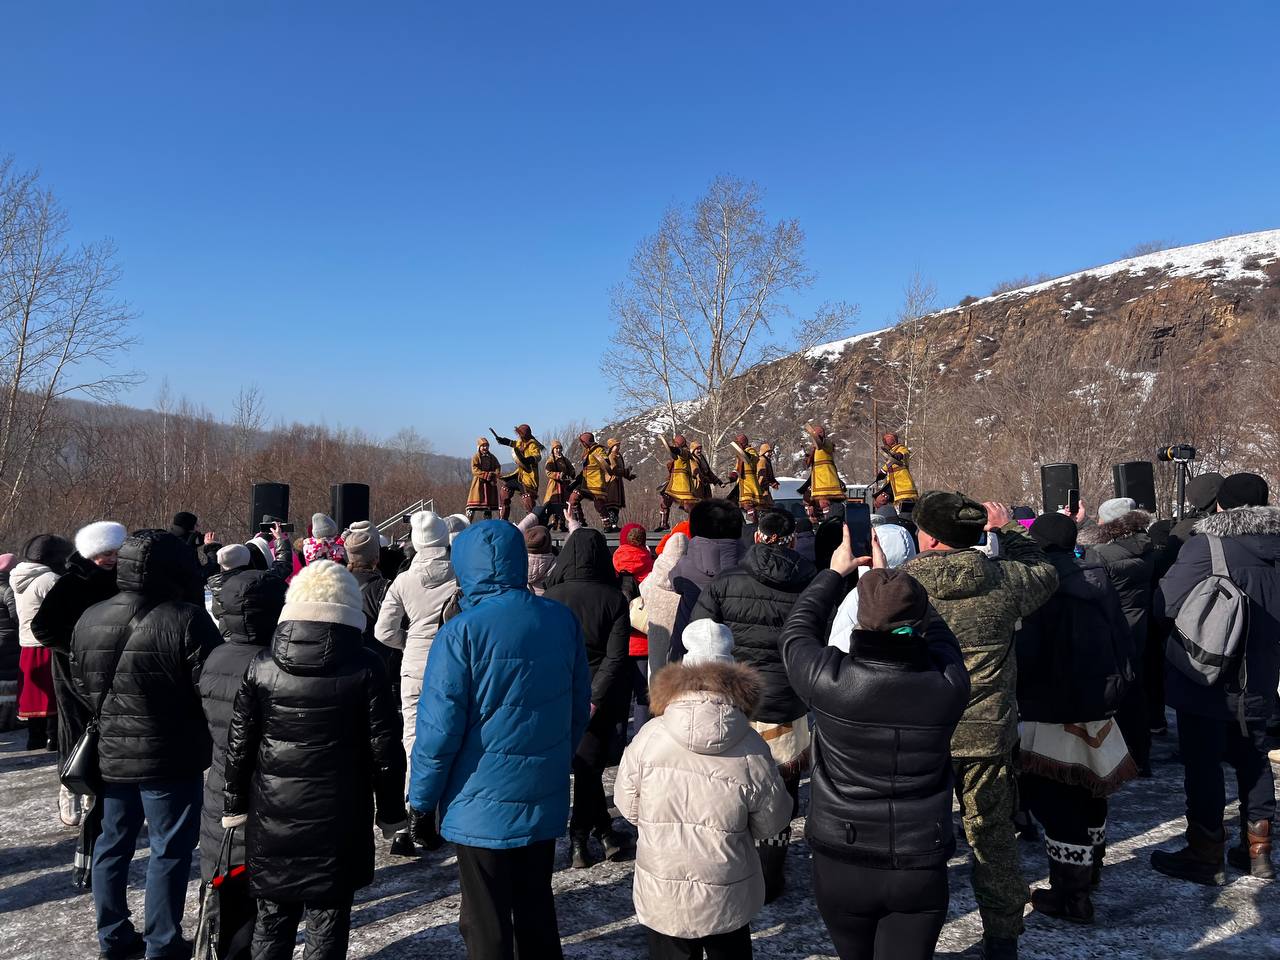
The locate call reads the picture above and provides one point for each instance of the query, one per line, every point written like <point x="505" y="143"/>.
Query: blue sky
<point x="411" y="214"/>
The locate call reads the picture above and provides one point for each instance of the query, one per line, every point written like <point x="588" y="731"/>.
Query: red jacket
<point x="636" y="561"/>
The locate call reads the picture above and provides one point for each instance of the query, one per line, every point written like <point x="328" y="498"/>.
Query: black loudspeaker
<point x="1137" y="481"/>
<point x="350" y="502"/>
<point x="1055" y="480"/>
<point x="268" y="499"/>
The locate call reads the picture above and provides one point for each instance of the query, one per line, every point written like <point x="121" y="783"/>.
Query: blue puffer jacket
<point x="505" y="700"/>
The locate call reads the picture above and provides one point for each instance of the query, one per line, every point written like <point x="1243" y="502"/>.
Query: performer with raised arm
<point x="765" y="475"/>
<point x="593" y="483"/>
<point x="896" y="473"/>
<point x="524" y="479"/>
<point x="679" y="486"/>
<point x="823" y="488"/>
<point x="483" y="495"/>
<point x="619" y="474"/>
<point x="704" y="478"/>
<point x="745" y="474"/>
<point x="560" y="477"/>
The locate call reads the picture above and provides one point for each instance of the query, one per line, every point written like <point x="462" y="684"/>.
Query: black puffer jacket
<point x="754" y="600"/>
<point x="313" y="738"/>
<point x="583" y="580"/>
<point x="152" y="727"/>
<point x="251" y="603"/>
<point x="704" y="560"/>
<point x="84" y="584"/>
<point x="881" y="777"/>
<point x="1124" y="549"/>
<point x="1074" y="652"/>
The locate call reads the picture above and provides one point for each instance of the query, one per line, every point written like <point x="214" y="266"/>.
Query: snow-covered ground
<point x="411" y="909"/>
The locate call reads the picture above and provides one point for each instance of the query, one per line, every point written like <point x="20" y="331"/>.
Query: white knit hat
<point x="1115" y="508"/>
<point x="326" y="592"/>
<point x="706" y="641"/>
<point x="457" y="523"/>
<point x="99" y="538"/>
<point x="233" y="555"/>
<point x="427" y="530"/>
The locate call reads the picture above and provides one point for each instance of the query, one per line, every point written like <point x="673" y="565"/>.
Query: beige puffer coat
<point x="662" y="602"/>
<point x="420" y="595"/>
<point x="702" y="787"/>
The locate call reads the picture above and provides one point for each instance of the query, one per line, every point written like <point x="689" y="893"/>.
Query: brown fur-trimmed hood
<point x="705" y="708"/>
<point x="735" y="683"/>
<point x="1133" y="522"/>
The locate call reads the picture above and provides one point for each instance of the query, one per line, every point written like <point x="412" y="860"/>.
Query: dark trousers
<point x="639" y="692"/>
<point x="1133" y="721"/>
<point x="1153" y="677"/>
<point x="590" y="808"/>
<point x="876" y="914"/>
<point x="171" y="810"/>
<point x="507" y="906"/>
<point x="237" y="917"/>
<point x="773" y="850"/>
<point x="276" y="928"/>
<point x="1074" y="820"/>
<point x="735" y="945"/>
<point x="1206" y="743"/>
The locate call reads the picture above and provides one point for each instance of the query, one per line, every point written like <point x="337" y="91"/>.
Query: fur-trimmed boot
<point x="1252" y="855"/>
<point x="1068" y="895"/>
<point x="1200" y="861"/>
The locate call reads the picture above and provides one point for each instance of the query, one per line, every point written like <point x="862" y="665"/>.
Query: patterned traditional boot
<point x="1070" y="869"/>
<point x="1098" y="837"/>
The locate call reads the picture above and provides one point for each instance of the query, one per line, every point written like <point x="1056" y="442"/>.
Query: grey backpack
<point x="1208" y="637"/>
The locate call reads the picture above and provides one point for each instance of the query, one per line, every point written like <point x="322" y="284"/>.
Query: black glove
<point x="422" y="830"/>
<point x="540" y="514"/>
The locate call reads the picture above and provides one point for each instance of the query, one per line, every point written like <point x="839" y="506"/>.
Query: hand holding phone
<point x="857" y="521"/>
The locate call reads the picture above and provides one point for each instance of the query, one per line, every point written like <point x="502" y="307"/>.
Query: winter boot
<point x="1252" y="855"/>
<point x="611" y="521"/>
<point x="402" y="845"/>
<point x="1200" y="861"/>
<point x="580" y="851"/>
<point x="69" y="808"/>
<point x="614" y="843"/>
<point x="664" y="520"/>
<point x="1098" y="837"/>
<point x="1068" y="895"/>
<point x="471" y="516"/>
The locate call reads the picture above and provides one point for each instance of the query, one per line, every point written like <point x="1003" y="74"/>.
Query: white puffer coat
<point x="702" y="787"/>
<point x="421" y="594"/>
<point x="31" y="583"/>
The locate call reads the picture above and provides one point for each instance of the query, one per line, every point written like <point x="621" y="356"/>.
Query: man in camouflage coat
<point x="982" y="600"/>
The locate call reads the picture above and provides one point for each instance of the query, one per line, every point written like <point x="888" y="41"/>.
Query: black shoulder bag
<point x="81" y="773"/>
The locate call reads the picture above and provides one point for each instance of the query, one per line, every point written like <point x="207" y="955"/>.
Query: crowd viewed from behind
<point x="472" y="685"/>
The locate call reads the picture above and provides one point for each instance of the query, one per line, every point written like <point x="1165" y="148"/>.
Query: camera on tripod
<point x="1176" y="453"/>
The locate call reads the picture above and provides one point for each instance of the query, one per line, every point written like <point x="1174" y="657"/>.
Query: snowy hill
<point x="1181" y="311"/>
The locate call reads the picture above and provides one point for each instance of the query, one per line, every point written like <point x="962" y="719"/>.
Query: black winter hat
<point x="1055" y="530"/>
<point x="185" y="521"/>
<point x="49" y="549"/>
<point x="1202" y="491"/>
<point x="888" y="599"/>
<point x="1022" y="513"/>
<point x="1243" y="490"/>
<point x="952" y="518"/>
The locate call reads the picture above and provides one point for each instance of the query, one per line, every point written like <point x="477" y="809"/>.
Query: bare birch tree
<point x="61" y="325"/>
<point x="704" y="302"/>
<point x="912" y="364"/>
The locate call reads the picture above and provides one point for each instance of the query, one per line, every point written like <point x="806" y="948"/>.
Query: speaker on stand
<point x="1137" y="481"/>
<point x="350" y="502"/>
<point x="267" y="500"/>
<point x="1056" y="479"/>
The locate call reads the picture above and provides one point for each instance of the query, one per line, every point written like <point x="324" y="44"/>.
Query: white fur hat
<point x="706" y="641"/>
<point x="326" y="592"/>
<point x="99" y="538"/>
<point x="233" y="555"/>
<point x="428" y="530"/>
<point x="1115" y="508"/>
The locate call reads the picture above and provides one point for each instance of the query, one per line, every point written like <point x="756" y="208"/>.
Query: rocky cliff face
<point x="1182" y="312"/>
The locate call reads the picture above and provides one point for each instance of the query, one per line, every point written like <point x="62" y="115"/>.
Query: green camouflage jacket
<point x="982" y="600"/>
